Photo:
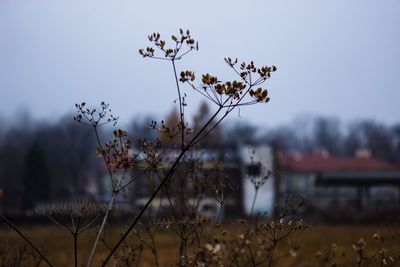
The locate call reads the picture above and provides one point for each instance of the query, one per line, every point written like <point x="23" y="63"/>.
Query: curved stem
<point x="218" y="218"/>
<point x="181" y="108"/>
<point x="15" y="228"/>
<point x="254" y="203"/>
<point x="110" y="204"/>
<point x="162" y="183"/>
<point x="135" y="221"/>
<point x="103" y="224"/>
<point x="76" y="249"/>
<point x="104" y="156"/>
<point x="271" y="256"/>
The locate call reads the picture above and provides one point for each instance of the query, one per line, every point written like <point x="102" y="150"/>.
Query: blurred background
<point x="330" y="134"/>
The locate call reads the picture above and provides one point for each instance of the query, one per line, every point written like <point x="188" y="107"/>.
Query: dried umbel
<point x="122" y="161"/>
<point x="277" y="230"/>
<point x="183" y="43"/>
<point x="234" y="93"/>
<point x="94" y="117"/>
<point x="360" y="254"/>
<point x="75" y="208"/>
<point x="75" y="217"/>
<point x="81" y="215"/>
<point x="256" y="243"/>
<point x="220" y="189"/>
<point x="117" y="151"/>
<point x="187" y="222"/>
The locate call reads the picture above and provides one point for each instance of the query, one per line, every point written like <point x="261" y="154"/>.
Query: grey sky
<point x="334" y="58"/>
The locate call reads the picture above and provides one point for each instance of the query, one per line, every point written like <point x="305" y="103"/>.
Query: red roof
<point x="321" y="162"/>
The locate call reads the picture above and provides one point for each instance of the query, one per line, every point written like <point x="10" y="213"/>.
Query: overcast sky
<point x="334" y="58"/>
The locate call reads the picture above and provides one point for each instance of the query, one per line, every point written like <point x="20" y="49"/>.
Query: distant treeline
<point x="57" y="161"/>
<point x="329" y="134"/>
<point x="44" y="161"/>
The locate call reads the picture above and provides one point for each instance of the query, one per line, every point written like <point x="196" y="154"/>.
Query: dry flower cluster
<point x="181" y="179"/>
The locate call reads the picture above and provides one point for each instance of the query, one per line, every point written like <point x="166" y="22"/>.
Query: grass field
<point x="58" y="244"/>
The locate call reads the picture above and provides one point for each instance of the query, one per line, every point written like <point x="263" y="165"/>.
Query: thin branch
<point x="103" y="155"/>
<point x="60" y="225"/>
<point x="120" y="188"/>
<point x="207" y="96"/>
<point x="15" y="228"/>
<point x="180" y="56"/>
<point x="253" y="203"/>
<point x="162" y="58"/>
<point x="84" y="228"/>
<point x="162" y="183"/>
<point x="181" y="108"/>
<point x="96" y="242"/>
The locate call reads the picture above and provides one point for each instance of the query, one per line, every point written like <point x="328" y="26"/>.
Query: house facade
<point x="331" y="187"/>
<point x="337" y="187"/>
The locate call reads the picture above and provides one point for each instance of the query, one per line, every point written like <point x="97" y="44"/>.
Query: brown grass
<point x="58" y="244"/>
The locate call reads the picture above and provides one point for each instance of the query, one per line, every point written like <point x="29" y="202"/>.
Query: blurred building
<point x="331" y="187"/>
<point x="238" y="169"/>
<point x="195" y="184"/>
<point x="341" y="188"/>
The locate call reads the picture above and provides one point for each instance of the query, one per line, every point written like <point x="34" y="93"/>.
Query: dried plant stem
<point x="103" y="155"/>
<point x="15" y="228"/>
<point x="271" y="256"/>
<point x="181" y="107"/>
<point x="75" y="235"/>
<point x="137" y="218"/>
<point x="153" y="245"/>
<point x="240" y="245"/>
<point x="254" y="203"/>
<point x="201" y="134"/>
<point x="252" y="256"/>
<point x="103" y="224"/>
<point x="217" y="221"/>
<point x="162" y="183"/>
<point x="110" y="204"/>
<point x="182" y="251"/>
<point x="76" y="249"/>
